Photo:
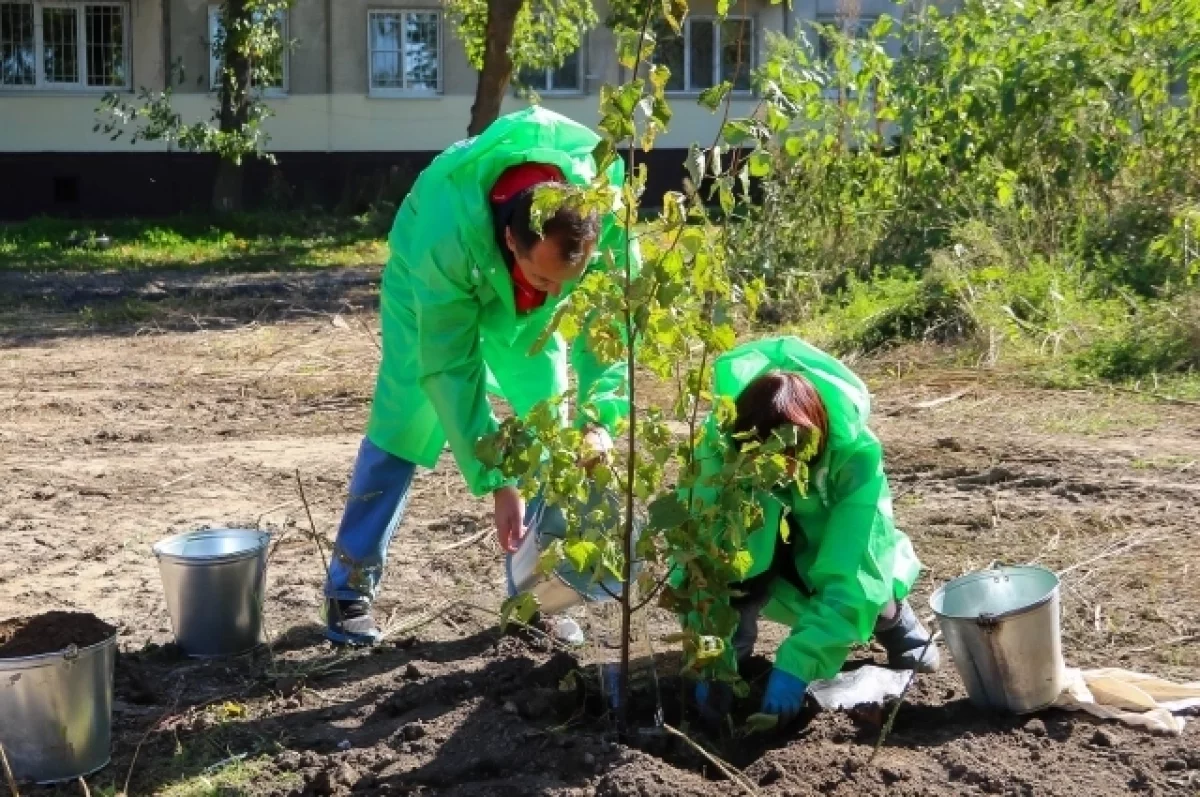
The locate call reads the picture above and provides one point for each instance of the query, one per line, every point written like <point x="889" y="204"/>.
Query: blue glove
<point x="784" y="696"/>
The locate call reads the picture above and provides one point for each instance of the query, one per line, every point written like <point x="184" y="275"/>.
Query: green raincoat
<point x="451" y="331"/>
<point x="847" y="549"/>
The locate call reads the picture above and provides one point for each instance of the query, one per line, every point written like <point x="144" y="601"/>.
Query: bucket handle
<point x="987" y="621"/>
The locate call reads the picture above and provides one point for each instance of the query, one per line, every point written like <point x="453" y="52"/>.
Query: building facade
<point x="367" y="94"/>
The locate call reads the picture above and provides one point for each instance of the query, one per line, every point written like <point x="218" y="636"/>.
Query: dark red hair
<point x="781" y="398"/>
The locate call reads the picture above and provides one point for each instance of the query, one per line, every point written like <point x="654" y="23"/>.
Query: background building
<point x="370" y="92"/>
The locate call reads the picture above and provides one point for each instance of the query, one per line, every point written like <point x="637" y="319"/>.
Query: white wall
<point x="63" y="123"/>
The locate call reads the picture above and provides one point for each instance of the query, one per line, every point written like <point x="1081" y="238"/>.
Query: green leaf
<point x="603" y="154"/>
<point x="793" y="146"/>
<point x="520" y="607"/>
<point x="581" y="554"/>
<point x="725" y="195"/>
<point x="1005" y="188"/>
<point x="760" y="163"/>
<point x="633" y="46"/>
<point x="667" y="512"/>
<point x="674" y="11"/>
<point x="723" y="8"/>
<point x="760" y="723"/>
<point x="777" y="120"/>
<point x="547" y="199"/>
<point x="695" y="164"/>
<point x="487" y="450"/>
<point x="659" y="75"/>
<point x="737" y="131"/>
<point x="742" y="563"/>
<point x="711" y="98"/>
<point x="723" y="337"/>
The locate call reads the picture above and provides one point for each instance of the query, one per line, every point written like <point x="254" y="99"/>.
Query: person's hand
<point x="784" y="696"/>
<point x="510" y="518"/>
<point x="596" y="447"/>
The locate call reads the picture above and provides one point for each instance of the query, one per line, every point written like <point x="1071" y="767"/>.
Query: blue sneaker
<point x="350" y="622"/>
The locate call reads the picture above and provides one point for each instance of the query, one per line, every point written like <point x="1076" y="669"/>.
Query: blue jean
<point x="379" y="490"/>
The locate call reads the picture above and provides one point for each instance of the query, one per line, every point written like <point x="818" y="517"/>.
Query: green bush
<point x="1163" y="338"/>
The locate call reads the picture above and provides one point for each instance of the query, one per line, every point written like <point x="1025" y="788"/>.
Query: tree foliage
<point x="1015" y="113"/>
<point x="249" y="47"/>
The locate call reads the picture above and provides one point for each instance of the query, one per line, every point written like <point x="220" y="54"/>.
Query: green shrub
<point x="1161" y="338"/>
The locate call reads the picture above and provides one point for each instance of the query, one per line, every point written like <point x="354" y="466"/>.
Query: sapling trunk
<point x="627" y="543"/>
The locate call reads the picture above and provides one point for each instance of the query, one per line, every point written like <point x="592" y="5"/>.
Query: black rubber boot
<point x="907" y="643"/>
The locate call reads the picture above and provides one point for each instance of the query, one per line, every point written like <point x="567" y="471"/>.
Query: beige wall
<point x="313" y="118"/>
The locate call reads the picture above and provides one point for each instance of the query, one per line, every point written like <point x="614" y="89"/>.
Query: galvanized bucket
<point x="1002" y="628"/>
<point x="213" y="581"/>
<point x="565" y="586"/>
<point x="56" y="712"/>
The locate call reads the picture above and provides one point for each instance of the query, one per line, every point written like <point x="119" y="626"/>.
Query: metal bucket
<point x="565" y="586"/>
<point x="56" y="712"/>
<point x="213" y="582"/>
<point x="1002" y="628"/>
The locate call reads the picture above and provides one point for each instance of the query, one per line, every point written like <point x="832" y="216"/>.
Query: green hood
<point x="846" y="398"/>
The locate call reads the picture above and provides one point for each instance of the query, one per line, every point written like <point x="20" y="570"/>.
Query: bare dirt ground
<point x="110" y="442"/>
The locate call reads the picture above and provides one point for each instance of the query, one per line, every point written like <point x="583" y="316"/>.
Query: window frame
<point x="405" y="93"/>
<point x="581" y="69"/>
<point x="80" y="85"/>
<point x="271" y="92"/>
<point x="687" y="90"/>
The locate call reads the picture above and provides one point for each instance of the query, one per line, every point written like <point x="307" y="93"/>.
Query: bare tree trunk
<point x="497" y="64"/>
<point x="235" y="101"/>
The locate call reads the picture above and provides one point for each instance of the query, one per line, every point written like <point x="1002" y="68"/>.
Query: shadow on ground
<point x="46" y="306"/>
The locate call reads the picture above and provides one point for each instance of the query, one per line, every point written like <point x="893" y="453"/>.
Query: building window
<point x="276" y="84"/>
<point x="404" y="49"/>
<point x="567" y="79"/>
<point x="707" y="52"/>
<point x="64" y="46"/>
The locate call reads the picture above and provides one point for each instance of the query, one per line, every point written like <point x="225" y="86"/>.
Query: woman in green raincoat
<point x="468" y="289"/>
<point x="828" y="561"/>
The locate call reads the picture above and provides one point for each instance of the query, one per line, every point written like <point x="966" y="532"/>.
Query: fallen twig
<point x="937" y="402"/>
<point x="474" y="538"/>
<point x="1179" y="640"/>
<point x="424" y="620"/>
<point x="233" y="759"/>
<point x="275" y="508"/>
<point x="8" y="773"/>
<point x="146" y="735"/>
<point x="1128" y="544"/>
<point x="1157" y="396"/>
<point x="725" y="769"/>
<point x="83" y="785"/>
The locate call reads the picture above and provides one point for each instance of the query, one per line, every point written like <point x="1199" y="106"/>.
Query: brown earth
<point x="51" y="632"/>
<point x="111" y="442"/>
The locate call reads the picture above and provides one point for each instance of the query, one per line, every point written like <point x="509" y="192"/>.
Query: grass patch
<point x="243" y="242"/>
<point x="246" y="777"/>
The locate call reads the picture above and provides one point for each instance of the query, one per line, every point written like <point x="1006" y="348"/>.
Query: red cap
<point x="516" y="179"/>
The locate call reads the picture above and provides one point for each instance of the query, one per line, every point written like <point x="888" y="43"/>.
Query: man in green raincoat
<point x="468" y="289"/>
<point x="828" y="561"/>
